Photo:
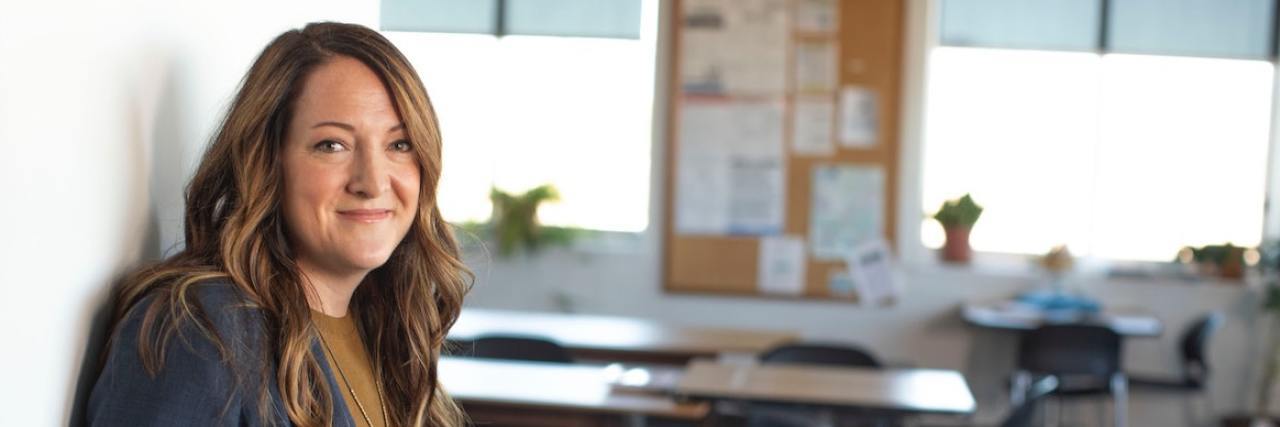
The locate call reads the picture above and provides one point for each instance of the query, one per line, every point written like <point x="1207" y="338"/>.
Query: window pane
<point x="457" y="70"/>
<point x="1225" y="28"/>
<point x="1028" y="24"/>
<point x="1015" y="129"/>
<point x="1183" y="154"/>
<point x="443" y="16"/>
<point x="1117" y="156"/>
<point x="579" y="18"/>
<point x="523" y="111"/>
<point x="577" y="114"/>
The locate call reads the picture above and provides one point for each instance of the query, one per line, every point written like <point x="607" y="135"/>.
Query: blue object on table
<point x="1057" y="301"/>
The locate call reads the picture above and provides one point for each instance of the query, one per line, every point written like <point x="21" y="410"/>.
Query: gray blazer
<point x="195" y="387"/>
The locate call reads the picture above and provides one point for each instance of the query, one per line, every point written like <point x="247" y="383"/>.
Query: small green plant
<point x="962" y="212"/>
<point x="514" y="222"/>
<point x="1217" y="254"/>
<point x="1225" y="260"/>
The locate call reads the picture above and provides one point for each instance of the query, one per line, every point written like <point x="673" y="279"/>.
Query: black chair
<point x="1193" y="375"/>
<point x="820" y="354"/>
<point x="774" y="415"/>
<point x="513" y="347"/>
<point x="1023" y="415"/>
<point x="1085" y="359"/>
<point x="1194" y="372"/>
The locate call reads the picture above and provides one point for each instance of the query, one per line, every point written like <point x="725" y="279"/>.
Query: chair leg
<point x="1102" y="411"/>
<point x="1018" y="389"/>
<point x="1210" y="413"/>
<point x="1059" y="408"/>
<point x="1120" y="390"/>
<point x="1189" y="411"/>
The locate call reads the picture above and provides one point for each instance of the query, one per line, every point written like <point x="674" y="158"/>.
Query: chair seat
<point x="1166" y="384"/>
<point x="1081" y="386"/>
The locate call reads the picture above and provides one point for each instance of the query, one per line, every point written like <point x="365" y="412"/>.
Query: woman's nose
<point x="369" y="174"/>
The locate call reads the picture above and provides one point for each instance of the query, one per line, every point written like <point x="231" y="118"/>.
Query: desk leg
<point x="1120" y="389"/>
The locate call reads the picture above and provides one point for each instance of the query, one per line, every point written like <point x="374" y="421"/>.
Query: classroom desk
<point x="609" y="338"/>
<point x="506" y="392"/>
<point x="1006" y="314"/>
<point x="904" y="391"/>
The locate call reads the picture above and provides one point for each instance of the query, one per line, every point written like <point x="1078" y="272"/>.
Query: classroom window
<point x="1118" y="156"/>
<point x="520" y="111"/>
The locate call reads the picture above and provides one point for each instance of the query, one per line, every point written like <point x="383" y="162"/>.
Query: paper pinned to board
<point x="847" y="208"/>
<point x="702" y="174"/>
<point x="757" y="202"/>
<point x="858" y="120"/>
<point x="815" y="65"/>
<point x="813" y="126"/>
<point x="781" y="265"/>
<point x="817" y="16"/>
<point x="871" y="270"/>
<point x="734" y="47"/>
<point x="730" y="168"/>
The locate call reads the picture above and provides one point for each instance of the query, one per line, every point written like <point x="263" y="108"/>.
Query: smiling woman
<point x="350" y="179"/>
<point x="318" y="279"/>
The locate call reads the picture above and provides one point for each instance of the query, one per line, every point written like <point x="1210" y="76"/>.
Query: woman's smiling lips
<point x="365" y="215"/>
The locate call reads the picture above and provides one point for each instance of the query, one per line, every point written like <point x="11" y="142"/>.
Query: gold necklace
<point x="377" y="385"/>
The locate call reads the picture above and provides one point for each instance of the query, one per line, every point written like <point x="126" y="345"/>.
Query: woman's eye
<point x="402" y="146"/>
<point x="329" y="146"/>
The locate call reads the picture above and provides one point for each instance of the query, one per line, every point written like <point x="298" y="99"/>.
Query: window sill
<point x="1020" y="266"/>
<point x="597" y="242"/>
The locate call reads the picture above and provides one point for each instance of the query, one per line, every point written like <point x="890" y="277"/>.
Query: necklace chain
<point x="377" y="385"/>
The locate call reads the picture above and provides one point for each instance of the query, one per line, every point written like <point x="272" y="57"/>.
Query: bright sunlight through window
<point x="520" y="111"/>
<point x="1117" y="156"/>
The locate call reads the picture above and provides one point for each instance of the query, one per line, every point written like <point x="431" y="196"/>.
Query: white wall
<point x="104" y="109"/>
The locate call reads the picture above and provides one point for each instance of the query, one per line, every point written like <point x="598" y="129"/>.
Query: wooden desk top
<point x="582" y="388"/>
<point x="616" y="334"/>
<point x="1007" y="314"/>
<point x="897" y="390"/>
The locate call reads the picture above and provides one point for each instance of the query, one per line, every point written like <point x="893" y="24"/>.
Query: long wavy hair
<point x="235" y="232"/>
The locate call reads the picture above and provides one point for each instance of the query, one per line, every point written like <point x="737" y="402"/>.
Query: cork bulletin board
<point x="783" y="139"/>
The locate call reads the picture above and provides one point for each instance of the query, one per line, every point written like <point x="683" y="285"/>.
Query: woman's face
<point x="351" y="176"/>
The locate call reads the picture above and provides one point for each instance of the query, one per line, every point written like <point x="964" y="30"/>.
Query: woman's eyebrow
<point x="351" y="128"/>
<point x="348" y="127"/>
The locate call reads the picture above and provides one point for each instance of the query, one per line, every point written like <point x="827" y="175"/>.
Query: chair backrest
<point x="820" y="354"/>
<point x="1023" y="415"/>
<point x="1195" y="342"/>
<point x="828" y="354"/>
<point x="514" y="347"/>
<point x="1070" y="350"/>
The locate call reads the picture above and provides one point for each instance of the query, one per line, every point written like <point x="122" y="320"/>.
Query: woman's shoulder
<point x="203" y="359"/>
<point x="226" y="308"/>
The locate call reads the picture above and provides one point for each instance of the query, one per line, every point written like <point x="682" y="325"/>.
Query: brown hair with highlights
<point x="235" y="232"/>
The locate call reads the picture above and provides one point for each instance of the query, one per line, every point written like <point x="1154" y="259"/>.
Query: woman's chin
<point x="369" y="260"/>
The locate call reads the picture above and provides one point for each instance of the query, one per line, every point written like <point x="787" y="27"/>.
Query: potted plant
<point x="957" y="218"/>
<point x="1225" y="261"/>
<point x="514" y="223"/>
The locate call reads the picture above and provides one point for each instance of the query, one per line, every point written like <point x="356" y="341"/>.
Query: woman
<point x="318" y="279"/>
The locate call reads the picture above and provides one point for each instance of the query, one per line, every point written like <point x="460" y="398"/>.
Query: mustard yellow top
<point x="352" y="368"/>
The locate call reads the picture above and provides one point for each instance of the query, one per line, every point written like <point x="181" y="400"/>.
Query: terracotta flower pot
<point x="956" y="249"/>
